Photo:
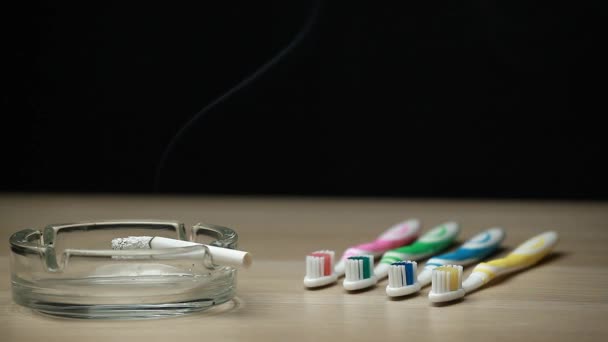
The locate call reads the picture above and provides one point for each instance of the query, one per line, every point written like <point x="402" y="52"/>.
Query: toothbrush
<point x="447" y="280"/>
<point x="320" y="269"/>
<point x="474" y="250"/>
<point x="359" y="273"/>
<point x="220" y="255"/>
<point x="478" y="247"/>
<point x="401" y="234"/>
<point x="434" y="241"/>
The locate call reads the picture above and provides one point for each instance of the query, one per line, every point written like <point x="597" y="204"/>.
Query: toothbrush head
<point x="446" y="284"/>
<point x="359" y="273"/>
<point x="402" y="279"/>
<point x="320" y="269"/>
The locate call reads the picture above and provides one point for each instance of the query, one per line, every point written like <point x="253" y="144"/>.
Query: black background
<point x="442" y="98"/>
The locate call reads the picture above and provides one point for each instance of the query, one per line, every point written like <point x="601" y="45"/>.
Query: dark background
<point x="442" y="98"/>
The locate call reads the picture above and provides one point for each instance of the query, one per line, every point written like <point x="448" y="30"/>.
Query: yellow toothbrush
<point x="447" y="281"/>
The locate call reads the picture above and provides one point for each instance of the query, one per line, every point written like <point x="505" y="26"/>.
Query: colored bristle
<point x="319" y="264"/>
<point x="446" y="278"/>
<point x="402" y="273"/>
<point x="327" y="260"/>
<point x="359" y="267"/>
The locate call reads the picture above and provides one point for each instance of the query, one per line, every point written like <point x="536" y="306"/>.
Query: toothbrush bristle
<point x="359" y="267"/>
<point x="327" y="261"/>
<point x="446" y="278"/>
<point x="402" y="273"/>
<point x="319" y="264"/>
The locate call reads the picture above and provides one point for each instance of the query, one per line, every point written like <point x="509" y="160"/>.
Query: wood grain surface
<point x="564" y="298"/>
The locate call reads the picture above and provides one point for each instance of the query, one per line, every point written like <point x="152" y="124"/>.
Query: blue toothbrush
<point x="402" y="275"/>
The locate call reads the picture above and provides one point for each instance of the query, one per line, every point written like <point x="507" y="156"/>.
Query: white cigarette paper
<point x="221" y="256"/>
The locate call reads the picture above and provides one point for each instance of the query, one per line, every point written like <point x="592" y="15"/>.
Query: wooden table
<point x="564" y="298"/>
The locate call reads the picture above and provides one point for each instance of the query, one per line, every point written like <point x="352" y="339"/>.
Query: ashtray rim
<point x="23" y="241"/>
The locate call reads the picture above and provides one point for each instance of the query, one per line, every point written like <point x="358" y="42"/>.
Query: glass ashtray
<point x="69" y="270"/>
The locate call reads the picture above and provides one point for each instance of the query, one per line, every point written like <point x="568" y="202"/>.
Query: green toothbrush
<point x="433" y="242"/>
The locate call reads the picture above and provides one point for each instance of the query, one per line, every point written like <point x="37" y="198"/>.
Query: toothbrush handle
<point x="400" y="234"/>
<point x="526" y="255"/>
<point x="416" y="251"/>
<point x="475" y="249"/>
<point x="430" y="243"/>
<point x="462" y="256"/>
<point x="471" y="251"/>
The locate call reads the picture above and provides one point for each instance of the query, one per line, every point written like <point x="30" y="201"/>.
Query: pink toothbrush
<point x="401" y="234"/>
